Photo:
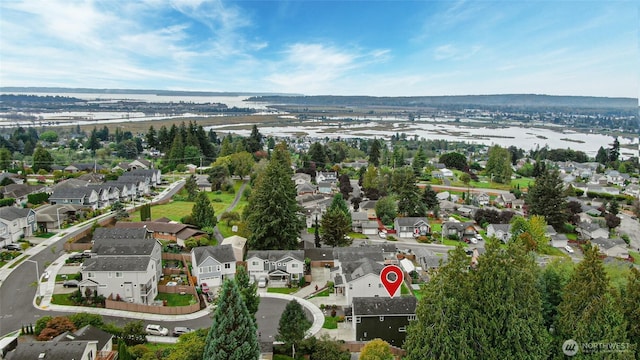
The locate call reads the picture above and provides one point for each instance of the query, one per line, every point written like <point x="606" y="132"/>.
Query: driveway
<point x="630" y="227"/>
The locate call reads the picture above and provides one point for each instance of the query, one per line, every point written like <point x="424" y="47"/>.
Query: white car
<point x="262" y="282"/>
<point x="473" y="240"/>
<point x="153" y="329"/>
<point x="569" y="249"/>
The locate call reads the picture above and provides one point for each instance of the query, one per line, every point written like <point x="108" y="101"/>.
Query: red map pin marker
<point x="391" y="277"/>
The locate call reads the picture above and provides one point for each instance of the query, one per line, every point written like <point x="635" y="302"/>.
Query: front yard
<point x="284" y="290"/>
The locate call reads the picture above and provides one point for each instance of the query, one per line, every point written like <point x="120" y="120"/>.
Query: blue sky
<point x="379" y="48"/>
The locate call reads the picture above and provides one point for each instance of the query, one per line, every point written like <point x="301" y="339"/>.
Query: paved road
<point x="233" y="204"/>
<point x="630" y="227"/>
<point x="17" y="291"/>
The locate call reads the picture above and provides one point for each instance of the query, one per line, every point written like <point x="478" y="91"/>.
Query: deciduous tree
<point x="376" y="349"/>
<point x="386" y="209"/>
<point x="42" y="159"/>
<point x="499" y="164"/>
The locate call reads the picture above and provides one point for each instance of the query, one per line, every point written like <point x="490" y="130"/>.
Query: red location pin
<point x="391" y="277"/>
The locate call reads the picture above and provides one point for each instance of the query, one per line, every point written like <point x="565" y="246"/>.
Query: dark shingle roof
<point x="89" y="333"/>
<point x="112" y="241"/>
<point x="53" y="350"/>
<point x="12" y="213"/>
<point x="221" y="253"/>
<point x="376" y="306"/>
<point x="319" y="254"/>
<point x="354" y="270"/>
<point x="72" y="193"/>
<point x="353" y="254"/>
<point x="112" y="263"/>
<point x="275" y="255"/>
<point x="411" y="221"/>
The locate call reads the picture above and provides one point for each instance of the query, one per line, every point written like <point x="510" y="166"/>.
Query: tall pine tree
<point x="293" y="325"/>
<point x="202" y="213"/>
<point x="233" y="333"/>
<point x="248" y="290"/>
<point x="272" y="212"/>
<point x="547" y="198"/>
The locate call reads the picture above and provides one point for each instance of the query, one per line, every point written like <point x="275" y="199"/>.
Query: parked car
<point x="205" y="288"/>
<point x="179" y="330"/>
<point x="569" y="249"/>
<point x="71" y="283"/>
<point x="153" y="329"/>
<point x="12" y="247"/>
<point x="262" y="282"/>
<point x="473" y="240"/>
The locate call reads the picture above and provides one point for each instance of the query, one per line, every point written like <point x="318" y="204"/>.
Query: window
<point x="369" y="285"/>
<point x="279" y="264"/>
<point x="255" y="263"/>
<point x="118" y="274"/>
<point x="90" y="275"/>
<point x="350" y="286"/>
<point x="381" y="318"/>
<point x="294" y="265"/>
<point x="109" y="274"/>
<point x="411" y="317"/>
<point x="379" y="285"/>
<point x="227" y="266"/>
<point x="201" y="269"/>
<point x="209" y="269"/>
<point x="217" y="267"/>
<point x="358" y="319"/>
<point x="102" y="285"/>
<point x="402" y="329"/>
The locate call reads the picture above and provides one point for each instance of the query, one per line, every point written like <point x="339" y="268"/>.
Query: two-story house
<point x="154" y="175"/>
<point x="411" y="227"/>
<point x="359" y="278"/>
<point x="279" y="267"/>
<point x="21" y="192"/>
<point x="16" y="223"/>
<point x="213" y="264"/>
<point x="127" y="265"/>
<point x="501" y="232"/>
<point x="383" y="317"/>
<point x="172" y="231"/>
<point x="460" y="230"/>
<point x="85" y="196"/>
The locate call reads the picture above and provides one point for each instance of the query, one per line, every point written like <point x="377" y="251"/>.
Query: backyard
<point x="176" y="299"/>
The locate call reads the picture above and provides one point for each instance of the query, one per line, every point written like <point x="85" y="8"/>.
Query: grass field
<point x="176" y="299"/>
<point x="62" y="299"/>
<point x="330" y="322"/>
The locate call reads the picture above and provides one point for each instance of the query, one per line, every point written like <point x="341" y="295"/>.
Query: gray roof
<point x="140" y="172"/>
<point x="20" y="190"/>
<point x="319" y="254"/>
<point x="353" y="254"/>
<point x="411" y="221"/>
<point x="53" y="350"/>
<point x="606" y="244"/>
<point x="72" y="192"/>
<point x="369" y="204"/>
<point x="111" y="263"/>
<point x="221" y="253"/>
<point x="501" y="227"/>
<point x="275" y="255"/>
<point x="359" y="215"/>
<point x="371" y="224"/>
<point x="118" y="233"/>
<point x="355" y="270"/>
<point x="12" y="213"/>
<point x="89" y="332"/>
<point x="377" y="306"/>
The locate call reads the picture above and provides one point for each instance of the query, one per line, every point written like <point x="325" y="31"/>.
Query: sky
<point x="376" y="48"/>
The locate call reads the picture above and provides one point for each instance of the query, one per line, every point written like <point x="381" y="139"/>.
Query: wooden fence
<point x="153" y="309"/>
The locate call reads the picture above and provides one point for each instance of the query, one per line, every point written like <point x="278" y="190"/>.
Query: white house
<point x="501" y="232"/>
<point x="127" y="265"/>
<point x="359" y="278"/>
<point x="16" y="223"/>
<point x="213" y="264"/>
<point x="410" y="227"/>
<point x="612" y="247"/>
<point x="280" y="267"/>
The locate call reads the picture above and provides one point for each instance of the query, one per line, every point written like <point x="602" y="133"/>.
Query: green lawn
<point x="330" y="322"/>
<point x="175" y="211"/>
<point x="636" y="257"/>
<point x="177" y="299"/>
<point x="325" y="292"/>
<point x="404" y="290"/>
<point x="283" y="290"/>
<point x="436" y="227"/>
<point x="153" y="347"/>
<point x="453" y="242"/>
<point x="355" y="235"/>
<point x="62" y="299"/>
<point x="418" y="294"/>
<point x="45" y="235"/>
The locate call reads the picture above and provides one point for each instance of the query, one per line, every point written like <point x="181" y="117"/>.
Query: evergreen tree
<point x="316" y="233"/>
<point x="552" y="281"/>
<point x="152" y="138"/>
<point x="614" y="152"/>
<point x="335" y="227"/>
<point x="227" y="146"/>
<point x="191" y="186"/>
<point x="202" y="213"/>
<point x="419" y="161"/>
<point x="588" y="311"/>
<point x="408" y="194"/>
<point x="233" y="333"/>
<point x="254" y="142"/>
<point x="374" y="152"/>
<point x="547" y="198"/>
<point x="429" y="198"/>
<point x="345" y="185"/>
<point x="293" y="325"/>
<point x="317" y="155"/>
<point x="5" y="159"/>
<point x="631" y="308"/>
<point x="175" y="155"/>
<point x="42" y="159"/>
<point x="93" y="143"/>
<point x="602" y="156"/>
<point x="248" y="291"/>
<point x="164" y="141"/>
<point x="272" y="212"/>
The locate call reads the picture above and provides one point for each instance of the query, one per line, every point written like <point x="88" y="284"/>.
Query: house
<point x="328" y="176"/>
<point x="15" y="224"/>
<point x="459" y="230"/>
<point x="203" y="183"/>
<point x="305" y="188"/>
<point x="370" y="207"/>
<point x="357" y="219"/>
<point x="49" y="217"/>
<point x="55" y="350"/>
<point x="427" y="259"/>
<point x="559" y="241"/>
<point x="21" y="192"/>
<point x="127" y="265"/>
<point x="446" y="173"/>
<point x="591" y="230"/>
<point x="17" y="179"/>
<point x="172" y="231"/>
<point x="85" y="196"/>
<point x="481" y="199"/>
<point x="213" y="264"/>
<point x="280" y="267"/>
<point x="506" y="200"/>
<point x="371" y="227"/>
<point x="154" y="175"/>
<point x="383" y="317"/>
<point x="301" y="178"/>
<point x="238" y="244"/>
<point x="501" y="232"/>
<point x="611" y="247"/>
<point x="92" y="333"/>
<point x="411" y="227"/>
<point x="107" y="194"/>
<point x="325" y="187"/>
<point x="359" y="278"/>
